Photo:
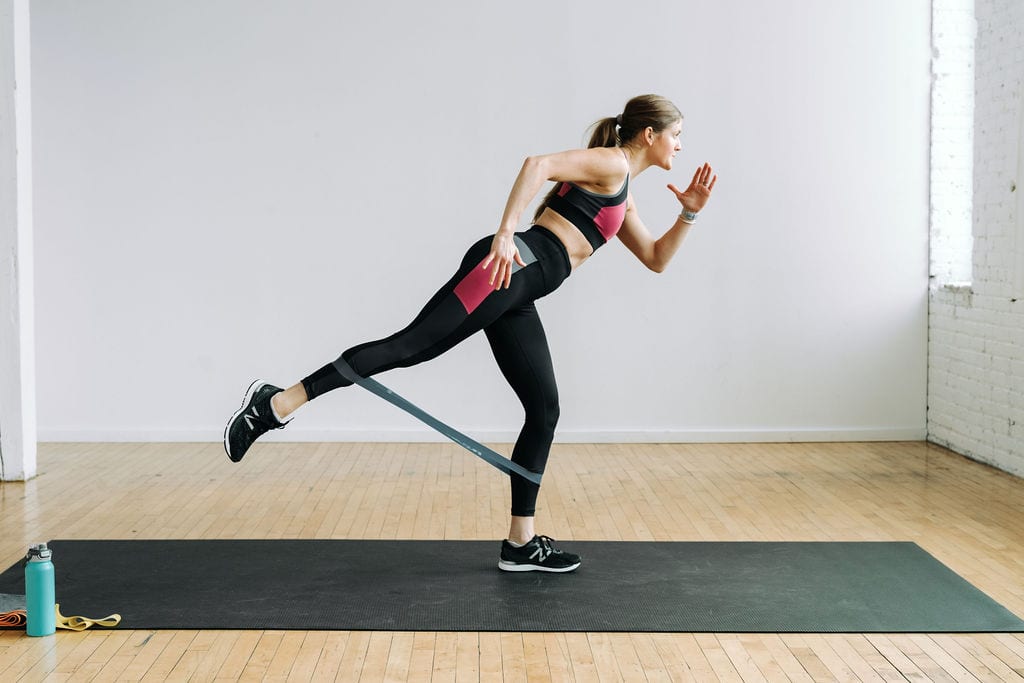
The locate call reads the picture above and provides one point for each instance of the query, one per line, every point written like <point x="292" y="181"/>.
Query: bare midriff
<point x="576" y="245"/>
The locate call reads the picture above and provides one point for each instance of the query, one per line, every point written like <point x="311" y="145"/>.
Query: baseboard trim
<point x="496" y="436"/>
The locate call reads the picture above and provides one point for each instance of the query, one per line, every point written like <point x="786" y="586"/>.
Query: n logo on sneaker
<point x="249" y="418"/>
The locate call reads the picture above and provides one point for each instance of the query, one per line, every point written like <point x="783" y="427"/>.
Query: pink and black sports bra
<point x="597" y="216"/>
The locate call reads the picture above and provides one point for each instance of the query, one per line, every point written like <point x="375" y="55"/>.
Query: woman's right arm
<point x="656" y="253"/>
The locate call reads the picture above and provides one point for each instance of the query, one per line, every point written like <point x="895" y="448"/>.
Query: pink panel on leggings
<point x="563" y="189"/>
<point x="474" y="288"/>
<point x="609" y="219"/>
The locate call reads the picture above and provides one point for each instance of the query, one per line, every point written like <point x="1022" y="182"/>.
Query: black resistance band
<point x="474" y="447"/>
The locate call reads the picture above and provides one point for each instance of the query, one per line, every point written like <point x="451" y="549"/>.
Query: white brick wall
<point x="976" y="333"/>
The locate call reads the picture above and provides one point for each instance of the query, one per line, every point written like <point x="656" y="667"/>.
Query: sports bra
<point x="597" y="216"/>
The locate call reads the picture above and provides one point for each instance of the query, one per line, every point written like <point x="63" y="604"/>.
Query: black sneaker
<point x="253" y="420"/>
<point x="536" y="556"/>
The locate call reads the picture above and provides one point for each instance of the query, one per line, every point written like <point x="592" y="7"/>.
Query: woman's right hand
<point x="697" y="194"/>
<point x="503" y="253"/>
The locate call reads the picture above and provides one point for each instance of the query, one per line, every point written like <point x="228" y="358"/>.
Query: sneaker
<point x="536" y="556"/>
<point x="252" y="420"/>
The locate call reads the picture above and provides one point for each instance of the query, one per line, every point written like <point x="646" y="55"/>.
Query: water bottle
<point x="40" y="609"/>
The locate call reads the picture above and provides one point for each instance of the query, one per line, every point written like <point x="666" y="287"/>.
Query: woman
<point x="495" y="288"/>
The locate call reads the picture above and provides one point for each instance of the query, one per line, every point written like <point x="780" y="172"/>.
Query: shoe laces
<point x="544" y="548"/>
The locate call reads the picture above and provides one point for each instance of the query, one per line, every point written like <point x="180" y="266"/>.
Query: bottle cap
<point x="38" y="553"/>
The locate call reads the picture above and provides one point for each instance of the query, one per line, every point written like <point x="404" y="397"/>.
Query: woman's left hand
<point x="503" y="255"/>
<point x="699" y="191"/>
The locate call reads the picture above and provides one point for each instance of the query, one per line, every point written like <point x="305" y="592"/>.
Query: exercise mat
<point x="747" y="587"/>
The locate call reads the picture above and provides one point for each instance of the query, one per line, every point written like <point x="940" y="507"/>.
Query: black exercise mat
<point x="456" y="586"/>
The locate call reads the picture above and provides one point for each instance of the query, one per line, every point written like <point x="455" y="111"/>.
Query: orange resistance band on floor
<point x="13" y="618"/>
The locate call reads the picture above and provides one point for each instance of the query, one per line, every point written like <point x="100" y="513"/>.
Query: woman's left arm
<point x="656" y="253"/>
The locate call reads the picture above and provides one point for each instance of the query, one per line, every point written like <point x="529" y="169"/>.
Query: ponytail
<point x="604" y="134"/>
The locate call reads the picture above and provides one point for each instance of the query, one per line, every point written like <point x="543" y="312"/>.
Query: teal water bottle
<point x="41" y="612"/>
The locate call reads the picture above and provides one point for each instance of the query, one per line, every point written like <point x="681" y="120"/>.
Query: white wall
<point x="235" y="189"/>
<point x="976" y="346"/>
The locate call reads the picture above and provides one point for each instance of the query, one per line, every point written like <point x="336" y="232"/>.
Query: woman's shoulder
<point x="613" y="155"/>
<point x="609" y="163"/>
<point x="600" y="166"/>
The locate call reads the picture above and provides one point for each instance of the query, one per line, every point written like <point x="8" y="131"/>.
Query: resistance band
<point x="18" y="617"/>
<point x="12" y="618"/>
<point x="474" y="447"/>
<point x="82" y="623"/>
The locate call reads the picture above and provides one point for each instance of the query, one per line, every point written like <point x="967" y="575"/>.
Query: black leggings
<point x="465" y="305"/>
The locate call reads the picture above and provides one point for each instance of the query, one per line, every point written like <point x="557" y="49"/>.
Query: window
<point x="952" y="145"/>
<point x="1018" y="247"/>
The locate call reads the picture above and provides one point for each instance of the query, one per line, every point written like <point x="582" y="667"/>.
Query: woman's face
<point x="666" y="144"/>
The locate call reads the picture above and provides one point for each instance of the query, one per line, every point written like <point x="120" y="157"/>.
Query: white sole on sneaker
<point x="520" y="567"/>
<point x="253" y="388"/>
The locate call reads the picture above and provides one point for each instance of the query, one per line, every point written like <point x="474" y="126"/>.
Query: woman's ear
<point x="649" y="135"/>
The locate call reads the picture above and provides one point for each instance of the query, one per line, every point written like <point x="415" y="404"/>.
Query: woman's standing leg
<point x="521" y="349"/>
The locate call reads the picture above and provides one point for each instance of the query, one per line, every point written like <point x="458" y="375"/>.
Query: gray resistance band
<point x="474" y="447"/>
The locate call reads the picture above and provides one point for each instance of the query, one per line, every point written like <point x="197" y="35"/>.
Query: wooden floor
<point x="967" y="515"/>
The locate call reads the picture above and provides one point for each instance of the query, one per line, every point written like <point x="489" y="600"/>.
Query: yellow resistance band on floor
<point x="82" y="623"/>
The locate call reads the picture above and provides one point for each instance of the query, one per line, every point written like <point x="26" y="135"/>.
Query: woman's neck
<point x="637" y="160"/>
